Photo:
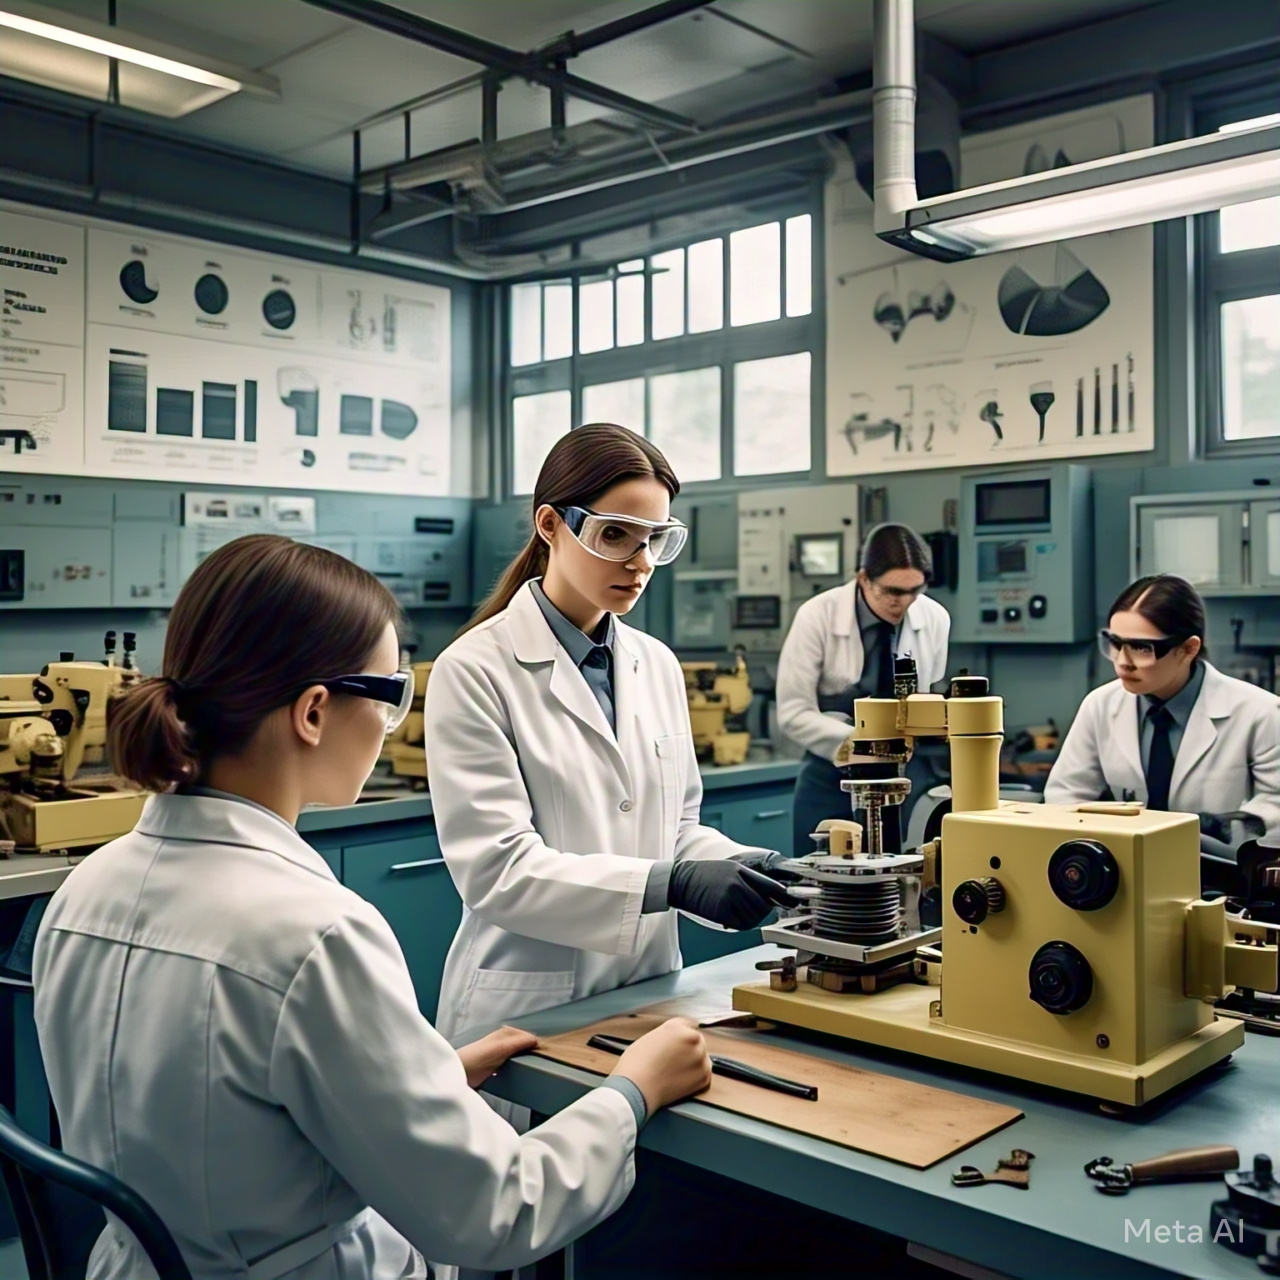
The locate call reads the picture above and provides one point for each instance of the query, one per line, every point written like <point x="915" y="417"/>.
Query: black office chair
<point x="33" y="1174"/>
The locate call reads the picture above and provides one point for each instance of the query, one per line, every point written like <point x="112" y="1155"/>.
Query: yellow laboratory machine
<point x="51" y="725"/>
<point x="1075" y="949"/>
<point x="717" y="696"/>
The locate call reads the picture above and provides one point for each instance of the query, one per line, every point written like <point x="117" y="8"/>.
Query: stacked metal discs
<point x="865" y="911"/>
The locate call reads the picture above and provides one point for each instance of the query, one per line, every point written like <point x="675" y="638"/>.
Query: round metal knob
<point x="1061" y="979"/>
<point x="1084" y="875"/>
<point x="974" y="900"/>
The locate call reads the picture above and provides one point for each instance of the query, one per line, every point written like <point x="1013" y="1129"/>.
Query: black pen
<point x="730" y="1068"/>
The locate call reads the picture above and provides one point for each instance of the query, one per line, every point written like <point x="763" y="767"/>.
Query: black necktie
<point x="1159" y="758"/>
<point x="884" y="670"/>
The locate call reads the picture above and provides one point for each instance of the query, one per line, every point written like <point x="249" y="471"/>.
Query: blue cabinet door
<point x="407" y="881"/>
<point x="763" y="819"/>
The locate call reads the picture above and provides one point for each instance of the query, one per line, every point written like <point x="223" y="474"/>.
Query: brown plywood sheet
<point x="898" y="1120"/>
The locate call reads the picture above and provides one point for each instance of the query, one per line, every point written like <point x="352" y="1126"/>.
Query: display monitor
<point x="1009" y="502"/>
<point x="820" y="555"/>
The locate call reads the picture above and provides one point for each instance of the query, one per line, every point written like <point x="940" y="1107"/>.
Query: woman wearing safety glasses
<point x="235" y="1034"/>
<point x="841" y="646"/>
<point x="563" y="777"/>
<point x="1172" y="730"/>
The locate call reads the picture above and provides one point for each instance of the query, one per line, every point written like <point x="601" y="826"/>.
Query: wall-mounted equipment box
<point x="1026" y="557"/>
<point x="1224" y="544"/>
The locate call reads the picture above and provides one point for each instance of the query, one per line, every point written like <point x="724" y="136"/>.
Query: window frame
<point x="1227" y="277"/>
<point x="723" y="348"/>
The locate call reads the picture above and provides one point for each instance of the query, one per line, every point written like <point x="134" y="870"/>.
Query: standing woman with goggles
<point x="563" y="777"/>
<point x="1172" y="730"/>
<point x="841" y="646"/>
<point x="235" y="1034"/>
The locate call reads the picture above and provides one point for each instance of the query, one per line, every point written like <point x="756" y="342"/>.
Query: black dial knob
<point x="975" y="900"/>
<point x="1061" y="979"/>
<point x="133" y="280"/>
<point x="278" y="309"/>
<point x="211" y="294"/>
<point x="1084" y="875"/>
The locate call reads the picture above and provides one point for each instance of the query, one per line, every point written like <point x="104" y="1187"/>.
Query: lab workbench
<point x="1060" y="1228"/>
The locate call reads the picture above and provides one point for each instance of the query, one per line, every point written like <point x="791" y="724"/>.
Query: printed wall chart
<point x="41" y="344"/>
<point x="1016" y="357"/>
<point x="159" y="357"/>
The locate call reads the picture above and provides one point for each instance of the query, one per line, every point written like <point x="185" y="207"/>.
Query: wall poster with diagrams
<point x="1016" y="357"/>
<point x="164" y="358"/>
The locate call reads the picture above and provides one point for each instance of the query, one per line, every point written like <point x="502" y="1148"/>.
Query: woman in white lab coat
<point x="842" y="646"/>
<point x="234" y="1034"/>
<point x="1171" y="730"/>
<point x="563" y="778"/>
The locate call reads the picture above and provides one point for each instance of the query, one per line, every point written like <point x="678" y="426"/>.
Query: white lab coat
<point x="823" y="654"/>
<point x="235" y="1034"/>
<point x="1229" y="756"/>
<point x="549" y="823"/>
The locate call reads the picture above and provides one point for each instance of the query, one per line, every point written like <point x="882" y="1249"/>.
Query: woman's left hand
<point x="482" y="1058"/>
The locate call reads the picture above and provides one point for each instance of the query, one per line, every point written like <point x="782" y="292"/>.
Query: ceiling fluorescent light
<point x="1134" y="189"/>
<point x="112" y="42"/>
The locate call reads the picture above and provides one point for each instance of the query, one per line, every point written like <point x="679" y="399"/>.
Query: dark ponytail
<point x="894" y="546"/>
<point x="579" y="468"/>
<point x="257" y="622"/>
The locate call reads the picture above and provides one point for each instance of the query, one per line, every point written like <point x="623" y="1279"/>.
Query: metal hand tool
<point x="1014" y="1171"/>
<point x="1174" y="1166"/>
<point x="730" y="1068"/>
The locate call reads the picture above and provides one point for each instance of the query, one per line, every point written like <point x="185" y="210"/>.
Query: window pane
<point x="630" y="310"/>
<point x="595" y="316"/>
<point x="620" y="402"/>
<point x="1251" y="368"/>
<point x="706" y="286"/>
<point x="668" y="293"/>
<point x="526" y="323"/>
<point x="684" y="421"/>
<point x="755" y="270"/>
<point x="1252" y="225"/>
<point x="799" y="265"/>
<point x="771" y="415"/>
<point x="557" y="322"/>
<point x="537" y="422"/>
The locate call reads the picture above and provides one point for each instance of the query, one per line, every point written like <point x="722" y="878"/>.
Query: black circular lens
<point x="1061" y="979"/>
<point x="211" y="294"/>
<point x="974" y="900"/>
<point x="1084" y="875"/>
<point x="279" y="309"/>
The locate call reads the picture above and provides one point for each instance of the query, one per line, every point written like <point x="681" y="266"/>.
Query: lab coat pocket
<point x="673" y="751"/>
<point x="498" y="995"/>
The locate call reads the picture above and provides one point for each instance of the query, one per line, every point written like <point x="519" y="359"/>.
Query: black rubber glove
<point x="724" y="892"/>
<point x="769" y="862"/>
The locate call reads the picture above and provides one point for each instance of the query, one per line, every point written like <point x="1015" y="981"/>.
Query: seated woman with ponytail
<point x="234" y="1034"/>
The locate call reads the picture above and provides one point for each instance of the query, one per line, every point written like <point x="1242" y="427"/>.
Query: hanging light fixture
<point x="1171" y="181"/>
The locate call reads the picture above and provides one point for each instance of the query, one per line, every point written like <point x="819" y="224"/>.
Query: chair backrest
<point x="28" y="1167"/>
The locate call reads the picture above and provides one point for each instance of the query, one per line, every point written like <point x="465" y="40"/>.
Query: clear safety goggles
<point x="1142" y="652"/>
<point x="621" y="538"/>
<point x="393" y="694"/>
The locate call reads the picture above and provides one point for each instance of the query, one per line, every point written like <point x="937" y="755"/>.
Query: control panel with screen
<point x="1026" y="557"/>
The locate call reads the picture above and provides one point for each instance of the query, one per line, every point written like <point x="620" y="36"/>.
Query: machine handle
<point x="413" y="866"/>
<point x="1193" y="1162"/>
<point x="770" y="813"/>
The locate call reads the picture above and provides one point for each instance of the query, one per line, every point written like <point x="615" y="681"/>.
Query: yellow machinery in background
<point x="51" y="725"/>
<point x="406" y="748"/>
<point x="1075" y="949"/>
<point x="715" y="698"/>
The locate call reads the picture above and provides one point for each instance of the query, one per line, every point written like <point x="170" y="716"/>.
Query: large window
<point x="706" y="349"/>
<point x="1239" y="255"/>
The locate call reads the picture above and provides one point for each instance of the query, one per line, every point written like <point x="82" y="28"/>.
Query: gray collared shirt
<point x="1179" y="707"/>
<point x="871" y="628"/>
<point x="592" y="655"/>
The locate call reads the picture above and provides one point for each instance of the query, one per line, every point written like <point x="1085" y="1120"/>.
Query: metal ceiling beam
<point x="573" y="43"/>
<point x="496" y="57"/>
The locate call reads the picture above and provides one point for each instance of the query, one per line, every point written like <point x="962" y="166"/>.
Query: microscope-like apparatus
<point x="1065" y="945"/>
<point x="52" y="725"/>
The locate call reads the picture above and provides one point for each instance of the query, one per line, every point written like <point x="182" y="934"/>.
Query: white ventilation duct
<point x="1171" y="181"/>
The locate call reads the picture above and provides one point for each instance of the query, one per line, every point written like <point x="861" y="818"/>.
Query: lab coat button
<point x="626" y="806"/>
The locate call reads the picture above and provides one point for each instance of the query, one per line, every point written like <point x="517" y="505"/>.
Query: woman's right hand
<point x="667" y="1064"/>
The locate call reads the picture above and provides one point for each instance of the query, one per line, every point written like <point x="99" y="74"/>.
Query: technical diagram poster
<point x="1016" y="357"/>
<point x="202" y="362"/>
<point x="41" y="344"/>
